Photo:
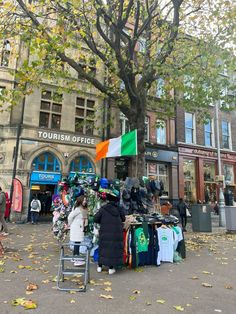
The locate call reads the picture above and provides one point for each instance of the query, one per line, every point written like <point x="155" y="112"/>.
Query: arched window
<point x="81" y="164"/>
<point x="6" y="51"/>
<point x="46" y="162"/>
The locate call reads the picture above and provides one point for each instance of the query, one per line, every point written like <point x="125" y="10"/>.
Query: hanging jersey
<point x="178" y="236"/>
<point x="166" y="245"/>
<point x="141" y="240"/>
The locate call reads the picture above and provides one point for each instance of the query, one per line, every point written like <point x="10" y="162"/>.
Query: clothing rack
<point x="63" y="269"/>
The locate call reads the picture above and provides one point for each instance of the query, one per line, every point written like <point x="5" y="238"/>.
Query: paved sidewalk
<point x="211" y="259"/>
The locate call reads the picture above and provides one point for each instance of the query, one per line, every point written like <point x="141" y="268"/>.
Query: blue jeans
<point x="34" y="217"/>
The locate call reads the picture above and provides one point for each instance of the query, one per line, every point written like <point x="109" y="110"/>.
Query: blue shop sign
<point x="45" y="177"/>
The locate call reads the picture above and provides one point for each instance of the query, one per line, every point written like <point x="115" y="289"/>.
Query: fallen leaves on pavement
<point x="27" y="304"/>
<point x="178" y="308"/>
<point x="31" y="286"/>
<point x="207" y="285"/>
<point x="106" y="296"/>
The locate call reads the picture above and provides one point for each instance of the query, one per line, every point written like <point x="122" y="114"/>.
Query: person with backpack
<point x="35" y="208"/>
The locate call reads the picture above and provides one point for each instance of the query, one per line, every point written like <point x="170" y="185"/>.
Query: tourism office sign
<point x="66" y="138"/>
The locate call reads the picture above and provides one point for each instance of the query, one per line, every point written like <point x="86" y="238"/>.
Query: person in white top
<point x="77" y="220"/>
<point x="35" y="208"/>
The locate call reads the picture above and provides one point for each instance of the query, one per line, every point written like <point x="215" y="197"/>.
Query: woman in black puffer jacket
<point x="110" y="217"/>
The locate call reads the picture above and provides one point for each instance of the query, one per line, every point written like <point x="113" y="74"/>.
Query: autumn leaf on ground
<point x="136" y="291"/>
<point x="106" y="296"/>
<point x="13" y="272"/>
<point x="194" y="277"/>
<point x="72" y="301"/>
<point x="207" y="272"/>
<point x="28" y="292"/>
<point x="2" y="263"/>
<point x="207" y="285"/>
<point x="72" y="292"/>
<point x="148" y="303"/>
<point x="188" y="304"/>
<point x="29" y="304"/>
<point x="31" y="286"/>
<point x="178" y="308"/>
<point x="17" y="301"/>
<point x="2" y="270"/>
<point x="228" y="287"/>
<point x="161" y="301"/>
<point x="108" y="289"/>
<point x="107" y="283"/>
<point x="132" y="297"/>
<point x="46" y="281"/>
<point x="139" y="270"/>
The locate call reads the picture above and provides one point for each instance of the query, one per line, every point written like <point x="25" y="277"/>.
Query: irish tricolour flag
<point x="125" y="145"/>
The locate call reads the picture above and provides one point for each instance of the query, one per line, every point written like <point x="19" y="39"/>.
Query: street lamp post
<point x="222" y="222"/>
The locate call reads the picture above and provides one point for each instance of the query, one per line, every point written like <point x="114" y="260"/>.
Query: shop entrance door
<point x="44" y="192"/>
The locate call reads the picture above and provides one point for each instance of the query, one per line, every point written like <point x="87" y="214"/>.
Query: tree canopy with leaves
<point x="128" y="50"/>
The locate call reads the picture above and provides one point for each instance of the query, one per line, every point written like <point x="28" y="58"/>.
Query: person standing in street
<point x="35" y="208"/>
<point x="182" y="209"/>
<point x="111" y="218"/>
<point x="77" y="221"/>
<point x="2" y="211"/>
<point x="8" y="208"/>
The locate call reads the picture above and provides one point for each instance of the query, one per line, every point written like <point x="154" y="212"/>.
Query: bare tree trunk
<point x="137" y="121"/>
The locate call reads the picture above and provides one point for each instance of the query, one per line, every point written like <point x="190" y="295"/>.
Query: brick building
<point x="197" y="150"/>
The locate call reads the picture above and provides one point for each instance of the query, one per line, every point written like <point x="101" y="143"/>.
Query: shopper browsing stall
<point x="110" y="217"/>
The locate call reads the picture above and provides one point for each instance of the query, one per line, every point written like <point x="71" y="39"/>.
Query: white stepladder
<point x="65" y="267"/>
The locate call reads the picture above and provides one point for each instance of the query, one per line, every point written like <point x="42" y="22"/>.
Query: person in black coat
<point x="110" y="217"/>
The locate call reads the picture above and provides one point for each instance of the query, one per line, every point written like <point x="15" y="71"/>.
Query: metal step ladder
<point x="65" y="268"/>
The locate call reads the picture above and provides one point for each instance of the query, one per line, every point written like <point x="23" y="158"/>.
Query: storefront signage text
<point x="66" y="138"/>
<point x="44" y="177"/>
<point x="211" y="154"/>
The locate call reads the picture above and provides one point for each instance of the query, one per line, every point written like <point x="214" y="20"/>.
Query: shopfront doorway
<point x="43" y="182"/>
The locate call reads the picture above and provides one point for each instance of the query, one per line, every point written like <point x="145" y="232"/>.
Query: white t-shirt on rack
<point x="166" y="245"/>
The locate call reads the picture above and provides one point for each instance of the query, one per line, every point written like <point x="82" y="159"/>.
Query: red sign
<point x="152" y="168"/>
<point x="17" y="196"/>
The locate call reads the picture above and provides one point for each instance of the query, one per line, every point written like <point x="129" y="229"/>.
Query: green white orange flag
<point x="125" y="145"/>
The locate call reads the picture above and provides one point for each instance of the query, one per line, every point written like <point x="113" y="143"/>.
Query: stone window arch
<point x="82" y="164"/>
<point x="46" y="162"/>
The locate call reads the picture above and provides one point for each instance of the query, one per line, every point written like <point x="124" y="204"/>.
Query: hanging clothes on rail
<point x="166" y="245"/>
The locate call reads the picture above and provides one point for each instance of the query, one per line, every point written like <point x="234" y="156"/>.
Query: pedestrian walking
<point x="35" y="208"/>
<point x="77" y="221"/>
<point x="110" y="251"/>
<point x="182" y="209"/>
<point x="8" y="208"/>
<point x="2" y="212"/>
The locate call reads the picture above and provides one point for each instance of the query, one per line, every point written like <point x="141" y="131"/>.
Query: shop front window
<point x="229" y="174"/>
<point x="189" y="170"/>
<point x="160" y="171"/>
<point x="209" y="182"/>
<point x="82" y="165"/>
<point x="46" y="162"/>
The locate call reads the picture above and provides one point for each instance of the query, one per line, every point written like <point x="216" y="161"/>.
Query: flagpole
<point x="136" y="162"/>
<point x="136" y="139"/>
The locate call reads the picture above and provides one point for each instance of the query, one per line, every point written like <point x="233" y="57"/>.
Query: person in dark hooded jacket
<point x="110" y="217"/>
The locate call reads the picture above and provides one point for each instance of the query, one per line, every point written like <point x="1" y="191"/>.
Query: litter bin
<point x="230" y="218"/>
<point x="201" y="218"/>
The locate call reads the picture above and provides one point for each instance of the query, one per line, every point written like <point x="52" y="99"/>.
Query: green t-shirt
<point x="141" y="241"/>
